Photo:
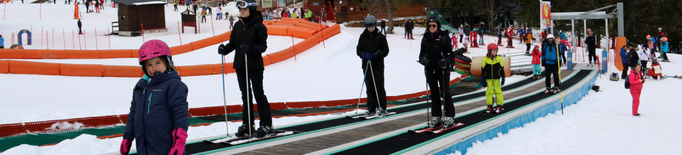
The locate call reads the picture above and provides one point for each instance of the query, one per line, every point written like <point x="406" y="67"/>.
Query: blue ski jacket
<point x="623" y="55"/>
<point x="159" y="106"/>
<point x="549" y="52"/>
<point x="664" y="47"/>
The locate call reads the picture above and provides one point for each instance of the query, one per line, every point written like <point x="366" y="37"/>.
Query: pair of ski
<point x="435" y="130"/>
<point x="365" y="116"/>
<point x="249" y="139"/>
<point x="552" y="91"/>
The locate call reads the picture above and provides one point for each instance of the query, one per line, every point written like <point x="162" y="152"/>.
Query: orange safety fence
<point x="47" y="126"/>
<point x="268" y="22"/>
<point x="41" y="68"/>
<point x="280" y="30"/>
<point x="287" y="22"/>
<point x="121" y="53"/>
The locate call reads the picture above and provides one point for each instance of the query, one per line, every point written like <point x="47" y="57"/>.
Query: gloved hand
<point x="502" y="80"/>
<point x="424" y="61"/>
<point x="179" y="139"/>
<point x="125" y="146"/>
<point x="245" y="48"/>
<point x="483" y="82"/>
<point x="443" y="63"/>
<point x="222" y="50"/>
<point x="369" y="56"/>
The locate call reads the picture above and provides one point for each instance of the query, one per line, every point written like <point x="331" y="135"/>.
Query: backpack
<point x="627" y="83"/>
<point x="614" y="77"/>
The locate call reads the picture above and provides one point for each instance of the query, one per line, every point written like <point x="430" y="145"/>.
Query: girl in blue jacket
<point x="158" y="113"/>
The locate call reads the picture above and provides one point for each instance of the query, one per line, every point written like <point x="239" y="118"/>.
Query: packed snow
<point x="599" y="124"/>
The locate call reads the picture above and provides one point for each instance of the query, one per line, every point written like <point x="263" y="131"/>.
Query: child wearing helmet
<point x="664" y="49"/>
<point x="536" y="62"/>
<point x="492" y="76"/>
<point x="158" y="116"/>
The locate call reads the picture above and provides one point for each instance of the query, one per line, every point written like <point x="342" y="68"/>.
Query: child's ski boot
<point x="499" y="109"/>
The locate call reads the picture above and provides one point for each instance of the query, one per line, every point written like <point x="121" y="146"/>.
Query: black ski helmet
<point x="433" y="19"/>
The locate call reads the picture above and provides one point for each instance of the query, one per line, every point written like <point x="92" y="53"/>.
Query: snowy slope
<point x="325" y="72"/>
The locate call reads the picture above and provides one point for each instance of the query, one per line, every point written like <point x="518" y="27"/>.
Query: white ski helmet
<point x="550" y="36"/>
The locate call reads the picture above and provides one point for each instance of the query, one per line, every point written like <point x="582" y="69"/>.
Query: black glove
<point x="443" y="63"/>
<point x="246" y="48"/>
<point x="222" y="50"/>
<point x="543" y="62"/>
<point x="424" y="61"/>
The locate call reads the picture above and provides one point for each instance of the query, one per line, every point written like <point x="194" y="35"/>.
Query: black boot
<point x="265" y="131"/>
<point x="243" y="131"/>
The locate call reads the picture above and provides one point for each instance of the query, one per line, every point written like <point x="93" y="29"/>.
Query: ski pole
<point x="248" y="93"/>
<point x="428" y="115"/>
<point x="361" y="88"/>
<point x="224" y="99"/>
<point x="561" y="94"/>
<point x="375" y="86"/>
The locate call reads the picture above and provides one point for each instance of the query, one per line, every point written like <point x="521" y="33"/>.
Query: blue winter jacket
<point x="562" y="48"/>
<point x="623" y="55"/>
<point x="159" y="106"/>
<point x="549" y="53"/>
<point x="2" y="41"/>
<point x="664" y="47"/>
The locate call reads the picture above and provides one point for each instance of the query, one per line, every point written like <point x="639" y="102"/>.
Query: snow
<point x="328" y="71"/>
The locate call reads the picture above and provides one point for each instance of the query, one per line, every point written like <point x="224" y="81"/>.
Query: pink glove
<point x="125" y="146"/>
<point x="179" y="138"/>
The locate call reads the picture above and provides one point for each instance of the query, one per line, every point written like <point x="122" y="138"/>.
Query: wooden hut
<point x="136" y="15"/>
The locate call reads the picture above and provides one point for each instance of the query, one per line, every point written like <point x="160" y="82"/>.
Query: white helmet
<point x="550" y="36"/>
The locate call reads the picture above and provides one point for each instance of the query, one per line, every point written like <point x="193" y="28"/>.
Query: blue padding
<point x="519" y="121"/>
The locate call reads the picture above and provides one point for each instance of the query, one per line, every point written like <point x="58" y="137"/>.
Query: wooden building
<point x="134" y="15"/>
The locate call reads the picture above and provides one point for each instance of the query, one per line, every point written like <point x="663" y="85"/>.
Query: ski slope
<point x="328" y="71"/>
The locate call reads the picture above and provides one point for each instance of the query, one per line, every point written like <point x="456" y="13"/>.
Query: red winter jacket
<point x="536" y="56"/>
<point x="634" y="80"/>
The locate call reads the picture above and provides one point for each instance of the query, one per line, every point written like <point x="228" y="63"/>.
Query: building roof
<point x="139" y="2"/>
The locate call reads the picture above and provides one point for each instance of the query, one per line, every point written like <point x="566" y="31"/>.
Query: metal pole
<point x="573" y="38"/>
<point x="73" y="40"/>
<point x="142" y="27"/>
<point x="96" y="39"/>
<point x="179" y="36"/>
<point x="584" y="34"/>
<point x="212" y="29"/>
<point x="53" y="37"/>
<point x="64" y="38"/>
<point x="109" y="36"/>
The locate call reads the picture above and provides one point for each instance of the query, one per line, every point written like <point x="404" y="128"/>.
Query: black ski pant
<point x="625" y="71"/>
<point x="592" y="55"/>
<point x="549" y="71"/>
<point x="460" y="38"/>
<point x="372" y="99"/>
<point x="563" y="57"/>
<point x="644" y="62"/>
<point x="527" y="47"/>
<point x="435" y="77"/>
<point x="255" y="91"/>
<point x="664" y="55"/>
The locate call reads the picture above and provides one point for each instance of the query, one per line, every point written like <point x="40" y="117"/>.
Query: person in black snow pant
<point x="80" y="25"/>
<point x="550" y="59"/>
<point x="591" y="47"/>
<point x="249" y="40"/>
<point x="372" y="49"/>
<point x="436" y="56"/>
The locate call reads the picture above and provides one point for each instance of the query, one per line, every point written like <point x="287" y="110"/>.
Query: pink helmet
<point x="152" y="49"/>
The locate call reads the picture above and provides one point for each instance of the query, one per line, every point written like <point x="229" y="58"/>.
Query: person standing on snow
<point x="372" y="48"/>
<point x="80" y="25"/>
<point x="528" y="37"/>
<point x="249" y="40"/>
<point x="158" y="116"/>
<point x="383" y="27"/>
<point x="409" y="26"/>
<point x="643" y="56"/>
<point x="436" y="55"/>
<point x="550" y="60"/>
<point x="636" y="83"/>
<point x="2" y="42"/>
<point x="590" y="41"/>
<point x="664" y="49"/>
<point x="624" y="61"/>
<point x="537" y="69"/>
<point x="633" y="57"/>
<point x="492" y="77"/>
<point x="562" y="51"/>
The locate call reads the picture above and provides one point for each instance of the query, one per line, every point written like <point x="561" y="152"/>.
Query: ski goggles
<point x="368" y="25"/>
<point x="244" y="4"/>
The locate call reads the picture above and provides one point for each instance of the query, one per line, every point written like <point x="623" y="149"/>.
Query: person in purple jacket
<point x="159" y="110"/>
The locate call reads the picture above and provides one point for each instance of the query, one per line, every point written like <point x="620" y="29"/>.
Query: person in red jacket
<point x="536" y="62"/>
<point x="636" y="80"/>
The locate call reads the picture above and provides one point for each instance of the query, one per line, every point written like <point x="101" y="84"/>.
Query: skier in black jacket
<point x="436" y="55"/>
<point x="249" y="40"/>
<point x="372" y="49"/>
<point x="591" y="47"/>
